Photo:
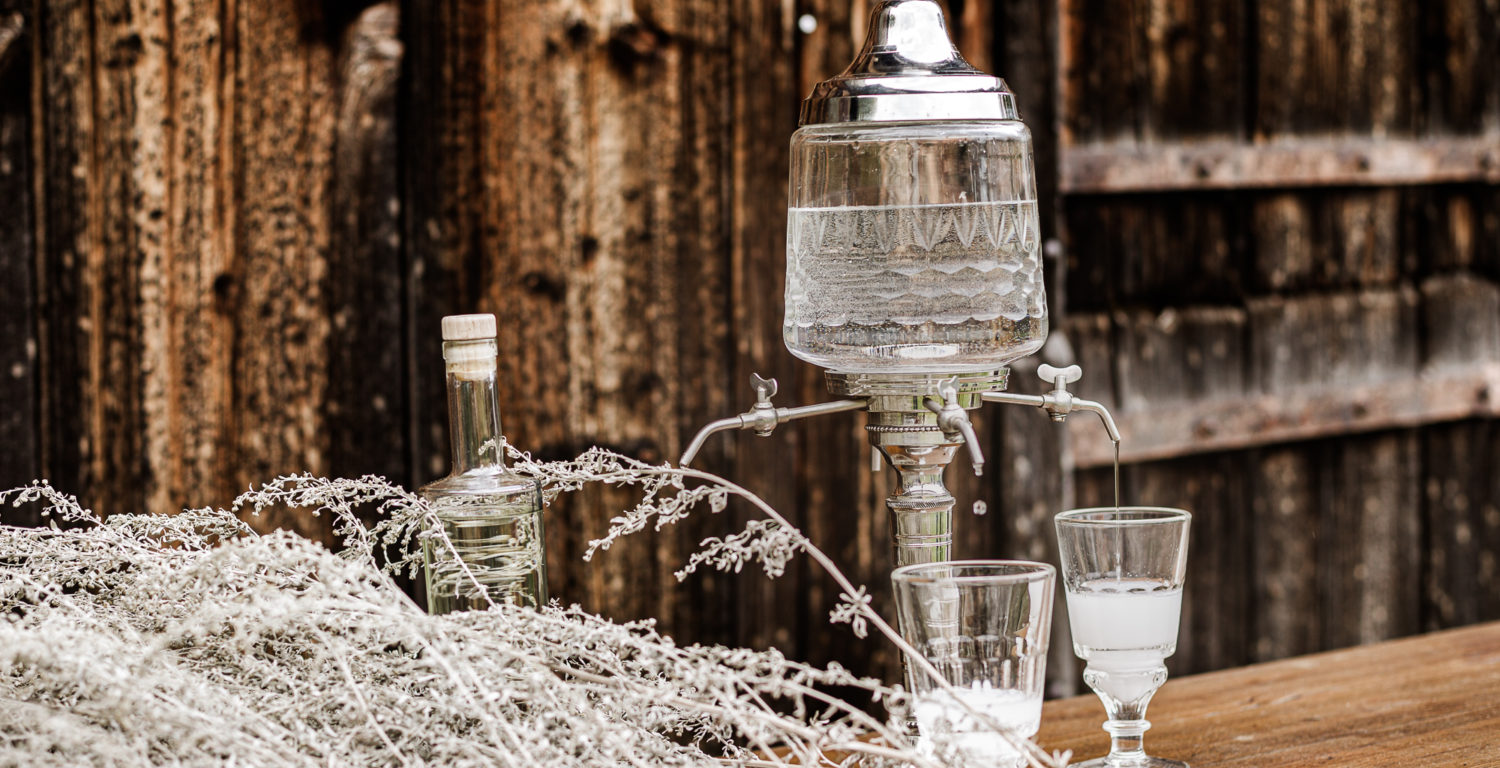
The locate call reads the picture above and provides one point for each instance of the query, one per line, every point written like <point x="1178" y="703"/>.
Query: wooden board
<point x="367" y="365"/>
<point x="19" y="369"/>
<point x="1117" y="167"/>
<point x="1463" y="521"/>
<point x="1420" y="701"/>
<point x="1190" y="427"/>
<point x="1146" y="70"/>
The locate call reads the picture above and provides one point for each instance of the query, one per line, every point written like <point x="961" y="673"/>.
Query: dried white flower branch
<point x="190" y="640"/>
<point x="773" y="541"/>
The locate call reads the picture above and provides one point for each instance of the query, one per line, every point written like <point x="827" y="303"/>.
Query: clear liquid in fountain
<point x="954" y="287"/>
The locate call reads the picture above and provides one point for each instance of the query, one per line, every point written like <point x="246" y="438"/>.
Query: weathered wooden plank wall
<point x="1286" y="307"/>
<point x="240" y="222"/>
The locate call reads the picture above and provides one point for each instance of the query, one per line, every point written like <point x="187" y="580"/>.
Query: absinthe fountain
<point x="914" y="271"/>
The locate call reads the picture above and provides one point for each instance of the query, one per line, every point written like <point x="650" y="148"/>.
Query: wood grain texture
<point x="1463" y="519"/>
<point x="440" y="170"/>
<point x="1185" y="428"/>
<point x="1284" y="544"/>
<point x="1128" y="166"/>
<point x="180" y="201"/>
<point x="1332" y="340"/>
<point x="1458" y="226"/>
<point x="1369" y="515"/>
<point x="570" y="190"/>
<point x="19" y="370"/>
<point x="1335" y="240"/>
<point x="367" y="388"/>
<point x="65" y="286"/>
<point x="1419" y="701"/>
<point x="192" y="429"/>
<point x="283" y="73"/>
<point x="1159" y="251"/>
<point x="1334" y="65"/>
<point x="1143" y="71"/>
<point x="12" y="27"/>
<point x="1458" y="41"/>
<point x="1195" y="354"/>
<point x="1461" y="322"/>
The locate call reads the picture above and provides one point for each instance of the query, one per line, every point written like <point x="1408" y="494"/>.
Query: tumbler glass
<point x="984" y="626"/>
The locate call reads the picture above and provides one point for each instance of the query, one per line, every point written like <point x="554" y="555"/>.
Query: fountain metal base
<point x="908" y="432"/>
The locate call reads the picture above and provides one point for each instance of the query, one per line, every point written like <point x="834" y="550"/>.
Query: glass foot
<point x="1146" y="762"/>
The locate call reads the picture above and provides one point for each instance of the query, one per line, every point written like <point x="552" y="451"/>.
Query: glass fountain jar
<point x="912" y="236"/>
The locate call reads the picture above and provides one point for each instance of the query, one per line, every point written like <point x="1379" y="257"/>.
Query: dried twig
<point x="190" y="640"/>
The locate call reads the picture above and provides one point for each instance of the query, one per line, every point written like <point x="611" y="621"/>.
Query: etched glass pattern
<point x="922" y="287"/>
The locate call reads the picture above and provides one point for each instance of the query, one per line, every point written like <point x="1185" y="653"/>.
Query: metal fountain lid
<point x="909" y="70"/>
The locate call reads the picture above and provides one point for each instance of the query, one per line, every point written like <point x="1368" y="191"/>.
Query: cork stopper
<point x="468" y="327"/>
<point x="469" y="345"/>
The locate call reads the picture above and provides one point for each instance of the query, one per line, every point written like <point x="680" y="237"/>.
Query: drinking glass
<point x="1123" y="570"/>
<point x="983" y="625"/>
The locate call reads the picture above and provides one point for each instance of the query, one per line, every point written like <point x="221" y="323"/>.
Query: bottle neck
<point x="473" y="405"/>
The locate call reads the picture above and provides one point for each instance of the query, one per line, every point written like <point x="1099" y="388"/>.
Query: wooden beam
<point x="19" y="347"/>
<point x="1194" y="428"/>
<point x="1099" y="168"/>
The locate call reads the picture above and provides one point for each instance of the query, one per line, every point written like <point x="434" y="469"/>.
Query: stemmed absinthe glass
<point x="1123" y="569"/>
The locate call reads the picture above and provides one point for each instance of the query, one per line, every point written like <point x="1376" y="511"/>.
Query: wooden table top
<point x="1431" y="701"/>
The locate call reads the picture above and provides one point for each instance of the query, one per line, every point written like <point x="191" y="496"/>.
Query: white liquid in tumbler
<point x="1124" y="623"/>
<point x="914" y="288"/>
<point x="949" y="731"/>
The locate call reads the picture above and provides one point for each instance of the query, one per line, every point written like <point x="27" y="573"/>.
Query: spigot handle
<point x="765" y="389"/>
<point x="1053" y="375"/>
<point x="948" y="390"/>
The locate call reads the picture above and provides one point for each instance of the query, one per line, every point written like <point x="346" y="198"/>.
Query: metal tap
<point x="763" y="417"/>
<point x="1059" y="402"/>
<point x="953" y="420"/>
<point x="916" y="423"/>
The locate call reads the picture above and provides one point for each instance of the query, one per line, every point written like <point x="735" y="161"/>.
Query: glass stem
<point x="1126" y="740"/>
<point x="1125" y="694"/>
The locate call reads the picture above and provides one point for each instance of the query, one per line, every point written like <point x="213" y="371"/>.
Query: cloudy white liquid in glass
<point x="1124" y="623"/>
<point x="949" y="730"/>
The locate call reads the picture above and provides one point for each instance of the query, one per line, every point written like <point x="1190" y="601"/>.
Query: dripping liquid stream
<point x="1117" y="477"/>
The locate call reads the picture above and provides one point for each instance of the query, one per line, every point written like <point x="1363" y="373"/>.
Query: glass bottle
<point x="492" y="516"/>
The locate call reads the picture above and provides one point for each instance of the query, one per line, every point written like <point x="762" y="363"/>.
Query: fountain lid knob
<point x="909" y="70"/>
